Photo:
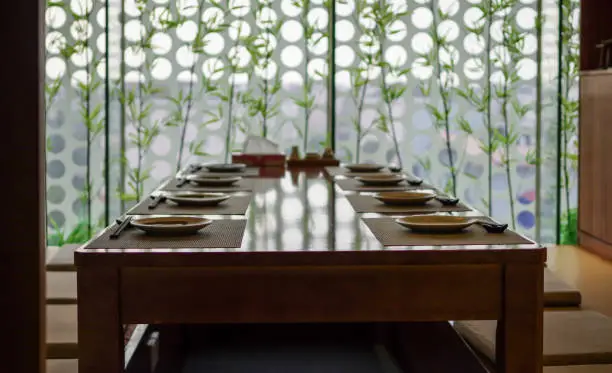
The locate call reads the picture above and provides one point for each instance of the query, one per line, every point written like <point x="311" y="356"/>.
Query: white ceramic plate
<point x="171" y="225"/>
<point x="197" y="199"/>
<point x="381" y="179"/>
<point x="226" y="167"/>
<point x="213" y="180"/>
<point x="411" y="197"/>
<point x="364" y="167"/>
<point x="436" y="223"/>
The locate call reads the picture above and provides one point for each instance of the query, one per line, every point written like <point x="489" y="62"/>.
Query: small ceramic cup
<point x="295" y="153"/>
<point x="328" y="153"/>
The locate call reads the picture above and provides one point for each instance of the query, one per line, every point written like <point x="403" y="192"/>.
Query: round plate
<point x="214" y="180"/>
<point x="197" y="199"/>
<point x="364" y="167"/>
<point x="435" y="223"/>
<point x="171" y="225"/>
<point x="381" y="179"/>
<point x="412" y="197"/>
<point x="226" y="167"/>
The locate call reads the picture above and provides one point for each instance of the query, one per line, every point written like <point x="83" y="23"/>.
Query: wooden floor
<point x="588" y="272"/>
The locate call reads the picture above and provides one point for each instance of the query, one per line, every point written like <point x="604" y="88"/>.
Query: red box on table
<point x="260" y="160"/>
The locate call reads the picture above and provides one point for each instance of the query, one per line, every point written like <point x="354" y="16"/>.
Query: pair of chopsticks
<point x="156" y="200"/>
<point x="123" y="224"/>
<point x="191" y="169"/>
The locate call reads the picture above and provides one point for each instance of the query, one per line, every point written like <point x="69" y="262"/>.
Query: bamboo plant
<point x="139" y="100"/>
<point x="183" y="103"/>
<point x="508" y="59"/>
<point x="384" y="15"/>
<point x="87" y="87"/>
<point x="263" y="105"/>
<point x="55" y="233"/>
<point x="230" y="96"/>
<point x="482" y="100"/>
<point x="443" y="81"/>
<point x="570" y="72"/>
<point x="361" y="77"/>
<point x="311" y="37"/>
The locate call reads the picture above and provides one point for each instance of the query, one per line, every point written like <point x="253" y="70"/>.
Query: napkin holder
<point x="260" y="152"/>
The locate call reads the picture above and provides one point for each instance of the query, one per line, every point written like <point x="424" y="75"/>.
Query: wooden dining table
<point x="307" y="257"/>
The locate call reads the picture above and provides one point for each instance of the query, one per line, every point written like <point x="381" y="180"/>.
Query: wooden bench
<point x="63" y="259"/>
<point x="557" y="293"/>
<point x="61" y="287"/>
<point x="62" y="342"/>
<point x="62" y="366"/>
<point x="580" y="369"/>
<point x="570" y="337"/>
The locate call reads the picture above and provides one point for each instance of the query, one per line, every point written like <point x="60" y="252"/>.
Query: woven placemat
<point x="240" y="186"/>
<point x="341" y="171"/>
<point x="235" y="205"/>
<point x="220" y="234"/>
<point x="389" y="233"/>
<point x="365" y="203"/>
<point x="352" y="185"/>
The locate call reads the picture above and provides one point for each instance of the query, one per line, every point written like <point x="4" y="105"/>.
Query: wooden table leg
<point x="101" y="347"/>
<point x="519" y="342"/>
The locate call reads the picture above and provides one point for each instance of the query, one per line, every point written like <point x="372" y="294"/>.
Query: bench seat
<point x="557" y="293"/>
<point x="61" y="288"/>
<point x="62" y="366"/>
<point x="580" y="369"/>
<point x="570" y="337"/>
<point x="62" y="331"/>
<point x="63" y="259"/>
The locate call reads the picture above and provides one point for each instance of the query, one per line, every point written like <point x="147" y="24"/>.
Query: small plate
<point x="413" y="197"/>
<point x="436" y="223"/>
<point x="390" y="179"/>
<point x="197" y="199"/>
<point x="364" y="167"/>
<point x="214" y="180"/>
<point x="226" y="167"/>
<point x="171" y="225"/>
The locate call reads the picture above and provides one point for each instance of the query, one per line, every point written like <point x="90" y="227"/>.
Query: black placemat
<point x="389" y="233"/>
<point x="223" y="233"/>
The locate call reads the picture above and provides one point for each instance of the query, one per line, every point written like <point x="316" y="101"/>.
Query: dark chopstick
<point x="194" y="168"/>
<point x="182" y="181"/>
<point x="122" y="225"/>
<point x="156" y="201"/>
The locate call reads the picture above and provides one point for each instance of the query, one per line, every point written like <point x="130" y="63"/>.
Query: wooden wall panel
<point x="22" y="321"/>
<point x="595" y="199"/>
<point x="595" y="27"/>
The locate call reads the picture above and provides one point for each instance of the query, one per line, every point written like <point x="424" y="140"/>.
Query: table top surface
<point x="304" y="218"/>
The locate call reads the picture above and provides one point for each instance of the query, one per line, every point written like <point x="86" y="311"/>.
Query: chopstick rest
<point x="447" y="201"/>
<point x="492" y="227"/>
<point x="414" y="181"/>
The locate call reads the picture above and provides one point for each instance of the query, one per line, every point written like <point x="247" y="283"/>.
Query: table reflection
<point x="302" y="211"/>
